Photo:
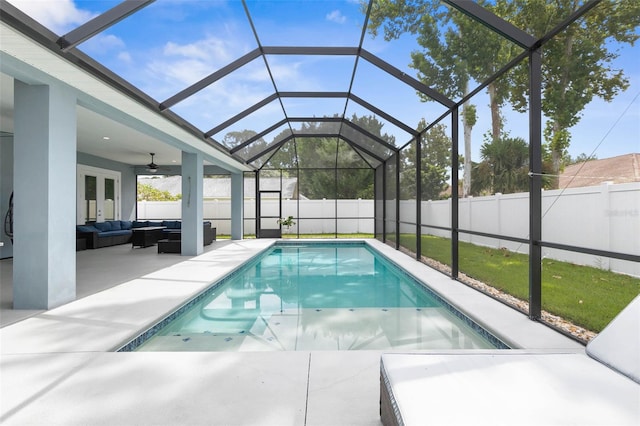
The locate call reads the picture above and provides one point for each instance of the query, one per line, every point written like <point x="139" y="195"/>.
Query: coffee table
<point x="146" y="236"/>
<point x="172" y="244"/>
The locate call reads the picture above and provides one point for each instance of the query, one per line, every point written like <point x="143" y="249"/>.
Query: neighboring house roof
<point x="620" y="169"/>
<point x="221" y="187"/>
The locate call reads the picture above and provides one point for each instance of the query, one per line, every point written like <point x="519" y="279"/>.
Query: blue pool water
<point x="323" y="296"/>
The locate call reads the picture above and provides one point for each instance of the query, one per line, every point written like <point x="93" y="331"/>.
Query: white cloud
<point x="180" y="65"/>
<point x="209" y="50"/>
<point x="59" y="16"/>
<point x="124" y="57"/>
<point x="336" y="16"/>
<point x="101" y="43"/>
<point x="106" y="45"/>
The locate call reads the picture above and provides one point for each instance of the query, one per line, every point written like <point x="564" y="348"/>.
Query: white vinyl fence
<point x="354" y="216"/>
<point x="605" y="217"/>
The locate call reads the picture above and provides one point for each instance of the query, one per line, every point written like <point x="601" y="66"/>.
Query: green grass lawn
<point x="587" y="296"/>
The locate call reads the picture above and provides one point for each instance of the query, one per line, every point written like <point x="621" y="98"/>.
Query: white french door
<point x="98" y="194"/>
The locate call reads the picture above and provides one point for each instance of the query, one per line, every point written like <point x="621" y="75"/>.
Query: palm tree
<point x="504" y="167"/>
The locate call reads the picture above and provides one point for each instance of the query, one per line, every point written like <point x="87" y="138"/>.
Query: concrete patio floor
<point x="58" y="366"/>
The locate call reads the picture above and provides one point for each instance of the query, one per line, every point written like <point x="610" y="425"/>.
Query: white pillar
<point x="192" y="193"/>
<point x="44" y="264"/>
<point x="237" y="206"/>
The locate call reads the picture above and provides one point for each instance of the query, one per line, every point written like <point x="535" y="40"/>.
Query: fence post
<point x="498" y="215"/>
<point x="605" y="231"/>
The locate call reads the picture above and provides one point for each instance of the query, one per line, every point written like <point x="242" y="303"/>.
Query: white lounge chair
<point x="519" y="387"/>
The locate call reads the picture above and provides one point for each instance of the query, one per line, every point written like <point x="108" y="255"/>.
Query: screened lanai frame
<point x="387" y="166"/>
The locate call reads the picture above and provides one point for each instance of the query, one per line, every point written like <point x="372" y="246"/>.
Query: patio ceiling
<point x="249" y="77"/>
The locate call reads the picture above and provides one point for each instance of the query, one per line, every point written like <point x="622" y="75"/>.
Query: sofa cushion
<point x="115" y="225"/>
<point x="140" y="223"/>
<point x="103" y="226"/>
<point x="87" y="228"/>
<point x="151" y="223"/>
<point x="125" y="224"/>
<point x="172" y="224"/>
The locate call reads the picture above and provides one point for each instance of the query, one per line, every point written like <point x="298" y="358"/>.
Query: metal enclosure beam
<point x="101" y="23"/>
<point x="242" y="115"/>
<point x="397" y="161"/>
<point x="384" y="201"/>
<point x="358" y="100"/>
<point x="535" y="185"/>
<point x="383" y="114"/>
<point x="320" y="135"/>
<point x="406" y="79"/>
<point x="357" y="147"/>
<point x="370" y="135"/>
<point x="314" y="94"/>
<point x="455" y="266"/>
<point x="310" y="50"/>
<point x="270" y="148"/>
<point x="210" y="79"/>
<point x="495" y="23"/>
<point x="418" y="163"/>
<point x="258" y="136"/>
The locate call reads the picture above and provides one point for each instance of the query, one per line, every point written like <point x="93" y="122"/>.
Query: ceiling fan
<point x="152" y="167"/>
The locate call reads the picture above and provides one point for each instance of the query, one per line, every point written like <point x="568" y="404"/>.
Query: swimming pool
<point x="316" y="296"/>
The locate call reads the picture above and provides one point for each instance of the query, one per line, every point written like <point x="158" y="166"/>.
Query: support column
<point x="418" y="163"/>
<point x="535" y="185"/>
<point x="397" y="191"/>
<point x="237" y="206"/>
<point x="455" y="199"/>
<point x="192" y="216"/>
<point x="44" y="264"/>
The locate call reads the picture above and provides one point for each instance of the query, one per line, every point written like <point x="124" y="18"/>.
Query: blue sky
<point x="174" y="43"/>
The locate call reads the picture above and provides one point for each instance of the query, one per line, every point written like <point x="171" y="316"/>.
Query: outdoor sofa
<point x="114" y="232"/>
<point x="599" y="386"/>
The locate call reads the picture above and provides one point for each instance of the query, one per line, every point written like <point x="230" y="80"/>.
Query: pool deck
<point x="58" y="366"/>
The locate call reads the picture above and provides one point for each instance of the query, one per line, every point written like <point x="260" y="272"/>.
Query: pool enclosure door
<point x="269" y="207"/>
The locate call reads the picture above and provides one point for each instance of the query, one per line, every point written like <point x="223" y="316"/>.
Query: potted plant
<point x="288" y="222"/>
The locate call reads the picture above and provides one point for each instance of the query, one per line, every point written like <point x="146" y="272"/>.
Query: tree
<point x="504" y="167"/>
<point x="456" y="50"/>
<point x="233" y="139"/>
<point x="581" y="158"/>
<point x="577" y="64"/>
<point x="434" y="166"/>
<point x="147" y="192"/>
<point x="316" y="158"/>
